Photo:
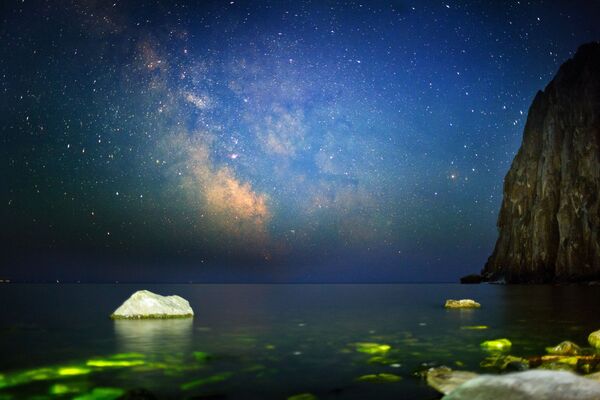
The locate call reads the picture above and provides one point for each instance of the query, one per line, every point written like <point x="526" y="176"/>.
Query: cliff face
<point x="549" y="222"/>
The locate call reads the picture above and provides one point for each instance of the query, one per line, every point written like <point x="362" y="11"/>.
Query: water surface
<point x="271" y="341"/>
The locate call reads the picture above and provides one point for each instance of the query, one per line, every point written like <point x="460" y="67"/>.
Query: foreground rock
<point x="565" y="348"/>
<point x="549" y="221"/>
<point x="445" y="380"/>
<point x="145" y="304"/>
<point x="529" y="385"/>
<point x="464" y="303"/>
<point x="594" y="339"/>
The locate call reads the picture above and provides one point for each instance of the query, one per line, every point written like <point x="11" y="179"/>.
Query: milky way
<point x="261" y="141"/>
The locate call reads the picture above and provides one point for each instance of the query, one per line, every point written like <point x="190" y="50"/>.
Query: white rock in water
<point x="464" y="303"/>
<point x="528" y="385"/>
<point x="145" y="304"/>
<point x="445" y="380"/>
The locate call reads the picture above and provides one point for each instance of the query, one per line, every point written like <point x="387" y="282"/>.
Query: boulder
<point x="145" y="304"/>
<point x="464" y="303"/>
<point x="528" y="385"/>
<point x="445" y="380"/>
<point x="565" y="348"/>
<point x="594" y="339"/>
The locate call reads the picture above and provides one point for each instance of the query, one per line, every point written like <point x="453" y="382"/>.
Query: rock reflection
<point x="154" y="336"/>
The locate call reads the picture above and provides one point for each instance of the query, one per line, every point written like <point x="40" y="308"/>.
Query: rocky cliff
<point x="549" y="222"/>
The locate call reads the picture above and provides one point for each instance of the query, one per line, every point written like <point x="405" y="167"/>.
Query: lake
<point x="272" y="341"/>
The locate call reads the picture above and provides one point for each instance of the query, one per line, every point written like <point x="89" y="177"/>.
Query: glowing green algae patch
<point x="496" y="345"/>
<point x="204" y="381"/>
<point x="102" y="393"/>
<point x="59" y="389"/>
<point x="201" y="356"/>
<point x="380" y="378"/>
<point x="108" y="363"/>
<point x="72" y="371"/>
<point x="303" y="396"/>
<point x="372" y="348"/>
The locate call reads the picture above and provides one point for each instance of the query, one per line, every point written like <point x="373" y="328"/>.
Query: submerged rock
<point x="496" y="345"/>
<point x="565" y="348"/>
<point x="528" y="385"/>
<point x="303" y="396"/>
<point x="380" y="378"/>
<point x="464" y="303"/>
<point x="145" y="304"/>
<point x="505" y="362"/>
<point x="445" y="380"/>
<point x="594" y="339"/>
<point x="549" y="221"/>
<point x="372" y="348"/>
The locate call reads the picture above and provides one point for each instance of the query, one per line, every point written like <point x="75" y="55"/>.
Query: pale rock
<point x="145" y="304"/>
<point x="445" y="380"/>
<point x="464" y="303"/>
<point x="528" y="385"/>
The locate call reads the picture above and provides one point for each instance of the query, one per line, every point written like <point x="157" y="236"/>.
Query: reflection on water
<point x="275" y="341"/>
<point x="154" y="336"/>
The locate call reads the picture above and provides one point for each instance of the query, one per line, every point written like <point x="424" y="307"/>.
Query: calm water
<point x="271" y="341"/>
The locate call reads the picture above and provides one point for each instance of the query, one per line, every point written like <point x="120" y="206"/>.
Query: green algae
<point x="73" y="371"/>
<point x="474" y="327"/>
<point x="204" y="381"/>
<point x="121" y="356"/>
<point x="59" y="389"/>
<point x="201" y="356"/>
<point x="372" y="348"/>
<point x="379" y="378"/>
<point x="102" y="393"/>
<point x="109" y="363"/>
<point x="303" y="396"/>
<point x="497" y="345"/>
<point x="382" y="360"/>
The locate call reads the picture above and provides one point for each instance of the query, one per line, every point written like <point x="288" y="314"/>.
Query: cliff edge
<point x="549" y="221"/>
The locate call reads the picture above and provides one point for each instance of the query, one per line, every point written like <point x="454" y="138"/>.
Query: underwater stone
<point x="496" y="345"/>
<point x="102" y="393"/>
<point x="505" y="362"/>
<point x="148" y="305"/>
<point x="380" y="378"/>
<point x="528" y="385"/>
<point x="303" y="396"/>
<point x="565" y="348"/>
<point x="464" y="303"/>
<point x="594" y="339"/>
<point x="445" y="380"/>
<point x="372" y="348"/>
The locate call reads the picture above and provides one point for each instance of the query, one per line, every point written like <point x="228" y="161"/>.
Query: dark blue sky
<point x="266" y="141"/>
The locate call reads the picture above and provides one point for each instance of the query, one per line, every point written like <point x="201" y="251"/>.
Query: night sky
<point x="305" y="141"/>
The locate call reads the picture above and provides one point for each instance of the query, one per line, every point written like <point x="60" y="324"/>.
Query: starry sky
<point x="266" y="141"/>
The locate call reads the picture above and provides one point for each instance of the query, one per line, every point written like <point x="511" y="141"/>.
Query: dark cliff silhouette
<point x="549" y="222"/>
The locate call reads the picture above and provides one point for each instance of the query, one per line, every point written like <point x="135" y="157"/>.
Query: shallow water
<point x="271" y="341"/>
